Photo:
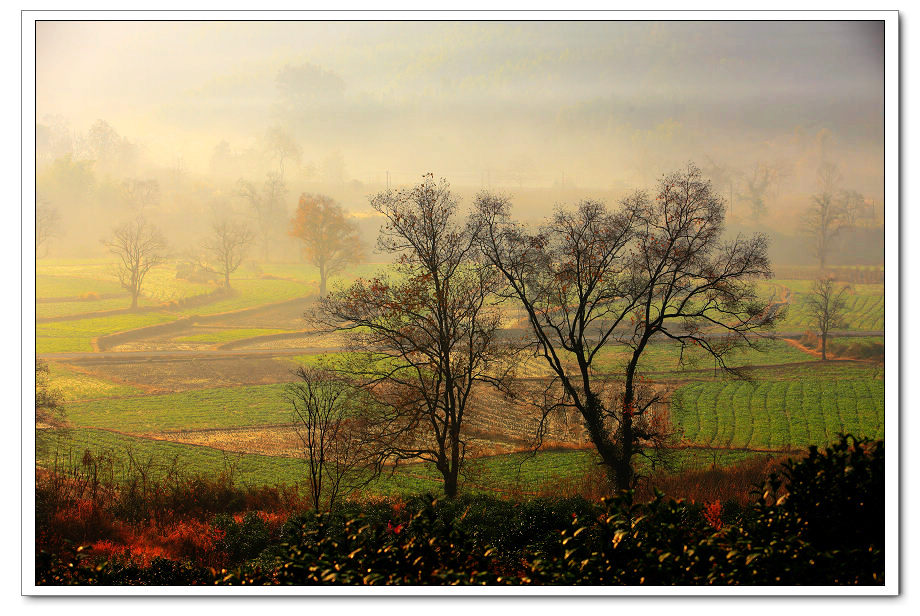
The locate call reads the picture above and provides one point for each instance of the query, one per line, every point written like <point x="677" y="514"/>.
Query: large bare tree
<point x="227" y="246"/>
<point x="426" y="336"/>
<point x="654" y="269"/>
<point x="330" y="239"/>
<point x="139" y="246"/>
<point x="332" y="441"/>
<point x="826" y="308"/>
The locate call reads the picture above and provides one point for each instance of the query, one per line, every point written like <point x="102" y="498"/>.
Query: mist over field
<point x="546" y="112"/>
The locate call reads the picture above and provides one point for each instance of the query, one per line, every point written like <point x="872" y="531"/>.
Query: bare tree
<point x="332" y="441"/>
<point x="227" y="245"/>
<point x="654" y="269"/>
<point x="330" y="240"/>
<point x="280" y="146"/>
<point x="425" y="337"/>
<point x="139" y="247"/>
<point x="141" y="193"/>
<point x="47" y="226"/>
<point x="267" y="205"/>
<point x="852" y="207"/>
<point x="821" y="221"/>
<point x="757" y="186"/>
<point x="826" y="308"/>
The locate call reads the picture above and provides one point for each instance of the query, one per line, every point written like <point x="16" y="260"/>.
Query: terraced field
<point x="76" y="335"/>
<point x="779" y="414"/>
<point x="181" y="394"/>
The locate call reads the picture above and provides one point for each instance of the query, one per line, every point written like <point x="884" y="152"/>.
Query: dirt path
<point x="817" y="353"/>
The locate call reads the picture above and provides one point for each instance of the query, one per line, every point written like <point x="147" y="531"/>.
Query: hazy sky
<point x="601" y="102"/>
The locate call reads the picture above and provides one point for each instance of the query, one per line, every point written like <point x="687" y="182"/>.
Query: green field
<point x="73" y="309"/>
<point x="74" y="385"/>
<point x="221" y="407"/>
<point x="75" y="335"/>
<point x="252" y="292"/>
<point x="865" y="306"/>
<point x="511" y="472"/>
<point x="793" y="413"/>
<point x="47" y="286"/>
<point x="666" y="357"/>
<point x="228" y="335"/>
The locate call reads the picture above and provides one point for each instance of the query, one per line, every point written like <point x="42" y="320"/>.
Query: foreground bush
<point x="819" y="521"/>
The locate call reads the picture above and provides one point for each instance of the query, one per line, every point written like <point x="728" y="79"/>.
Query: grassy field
<point x="47" y="286"/>
<point x="251" y="292"/>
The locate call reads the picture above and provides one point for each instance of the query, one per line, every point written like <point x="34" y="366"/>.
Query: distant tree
<point x="139" y="247"/>
<point x="424" y="339"/>
<point x="49" y="409"/>
<point x="110" y="150"/>
<point x="227" y="246"/>
<point x="825" y="308"/>
<point x="280" y="146"/>
<point x="267" y="205"/>
<point x="333" y="445"/>
<point x="821" y="221"/>
<point x="757" y="185"/>
<point x="141" y="194"/>
<point x="330" y="240"/>
<point x="47" y="226"/>
<point x="852" y="207"/>
<point x="590" y="278"/>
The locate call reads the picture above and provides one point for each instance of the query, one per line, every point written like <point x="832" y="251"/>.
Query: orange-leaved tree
<point x="330" y="239"/>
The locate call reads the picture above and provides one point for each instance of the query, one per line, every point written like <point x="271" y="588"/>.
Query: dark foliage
<point x="820" y="521"/>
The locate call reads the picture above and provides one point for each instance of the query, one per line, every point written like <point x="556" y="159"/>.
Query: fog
<point x="547" y="112"/>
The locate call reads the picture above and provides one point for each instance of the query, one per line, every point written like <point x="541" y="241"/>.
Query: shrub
<point x="819" y="521"/>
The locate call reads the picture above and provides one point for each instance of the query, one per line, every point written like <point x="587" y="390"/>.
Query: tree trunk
<point x="616" y="458"/>
<point x="322" y="281"/>
<point x="226" y="279"/>
<point x="450" y="484"/>
<point x="824" y="346"/>
<point x="134" y="300"/>
<point x="453" y="469"/>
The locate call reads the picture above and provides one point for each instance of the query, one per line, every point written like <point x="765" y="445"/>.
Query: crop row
<point x="778" y="415"/>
